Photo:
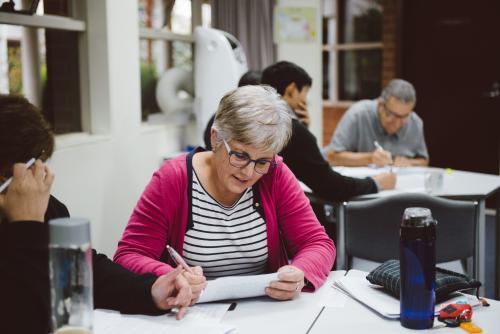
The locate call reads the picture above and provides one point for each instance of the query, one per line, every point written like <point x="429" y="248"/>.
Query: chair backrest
<point x="372" y="227"/>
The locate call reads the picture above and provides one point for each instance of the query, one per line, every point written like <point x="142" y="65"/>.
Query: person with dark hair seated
<point x="302" y="153"/>
<point x="25" y="207"/>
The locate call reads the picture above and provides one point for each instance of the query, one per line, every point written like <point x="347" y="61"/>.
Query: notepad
<point x="356" y="286"/>
<point x="236" y="287"/>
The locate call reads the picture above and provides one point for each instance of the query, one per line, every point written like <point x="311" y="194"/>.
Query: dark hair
<point x="250" y="78"/>
<point x="24" y="133"/>
<point x="283" y="73"/>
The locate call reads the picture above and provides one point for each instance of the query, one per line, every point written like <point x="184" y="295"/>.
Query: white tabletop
<point x="460" y="184"/>
<point x="325" y="311"/>
<point x="341" y="314"/>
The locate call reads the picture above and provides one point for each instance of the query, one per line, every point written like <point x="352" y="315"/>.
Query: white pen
<point x="9" y="180"/>
<point x="379" y="147"/>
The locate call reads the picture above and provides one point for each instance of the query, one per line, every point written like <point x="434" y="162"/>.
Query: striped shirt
<point x="225" y="241"/>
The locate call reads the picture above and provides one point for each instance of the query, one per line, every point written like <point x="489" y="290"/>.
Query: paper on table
<point x="360" y="171"/>
<point x="199" y="319"/>
<point x="332" y="297"/>
<point x="208" y="313"/>
<point x="235" y="287"/>
<point x="372" y="170"/>
<point x="355" y="285"/>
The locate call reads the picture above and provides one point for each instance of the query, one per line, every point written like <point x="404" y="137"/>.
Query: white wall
<point x="101" y="176"/>
<point x="308" y="56"/>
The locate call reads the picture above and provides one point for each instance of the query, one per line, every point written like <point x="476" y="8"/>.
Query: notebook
<point x="355" y="285"/>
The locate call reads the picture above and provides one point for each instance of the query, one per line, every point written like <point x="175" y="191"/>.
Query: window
<point x="41" y="52"/>
<point x="352" y="49"/>
<point x="166" y="41"/>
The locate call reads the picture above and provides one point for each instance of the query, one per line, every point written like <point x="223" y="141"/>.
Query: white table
<point x="306" y="315"/>
<point x="457" y="185"/>
<point x="356" y="318"/>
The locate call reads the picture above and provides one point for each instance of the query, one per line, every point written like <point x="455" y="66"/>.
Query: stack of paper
<point x="356" y="286"/>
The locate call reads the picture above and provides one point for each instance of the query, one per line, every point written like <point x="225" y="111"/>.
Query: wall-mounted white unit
<point x="219" y="63"/>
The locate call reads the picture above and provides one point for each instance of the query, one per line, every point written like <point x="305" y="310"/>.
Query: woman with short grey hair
<point x="235" y="210"/>
<point x="254" y="115"/>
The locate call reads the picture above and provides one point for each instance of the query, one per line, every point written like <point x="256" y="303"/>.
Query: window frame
<point x="75" y="23"/>
<point x="161" y="34"/>
<point x="335" y="48"/>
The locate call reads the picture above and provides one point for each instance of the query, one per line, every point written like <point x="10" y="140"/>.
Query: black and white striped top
<point x="225" y="241"/>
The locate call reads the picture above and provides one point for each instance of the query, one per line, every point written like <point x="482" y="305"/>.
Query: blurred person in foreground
<point x="25" y="208"/>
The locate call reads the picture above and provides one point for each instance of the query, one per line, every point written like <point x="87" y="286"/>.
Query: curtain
<point x="251" y="22"/>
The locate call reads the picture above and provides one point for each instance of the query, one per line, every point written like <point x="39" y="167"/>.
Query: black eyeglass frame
<point x="230" y="152"/>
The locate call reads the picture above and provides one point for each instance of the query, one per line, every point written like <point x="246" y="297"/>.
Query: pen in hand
<point x="178" y="259"/>
<point x="379" y="147"/>
<point x="4" y="186"/>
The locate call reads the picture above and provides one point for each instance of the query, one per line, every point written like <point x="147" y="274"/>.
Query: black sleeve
<point x="206" y="134"/>
<point x="24" y="277"/>
<point x="116" y="288"/>
<point x="55" y="209"/>
<point x="303" y="157"/>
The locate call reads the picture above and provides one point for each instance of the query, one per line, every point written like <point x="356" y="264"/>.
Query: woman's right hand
<point x="197" y="281"/>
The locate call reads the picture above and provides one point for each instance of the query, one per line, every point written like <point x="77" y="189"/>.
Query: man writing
<point x="383" y="131"/>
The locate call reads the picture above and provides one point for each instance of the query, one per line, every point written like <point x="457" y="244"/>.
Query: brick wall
<point x="391" y="28"/>
<point x="332" y="113"/>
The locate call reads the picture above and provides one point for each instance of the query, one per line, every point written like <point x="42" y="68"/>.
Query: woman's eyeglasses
<point x="242" y="159"/>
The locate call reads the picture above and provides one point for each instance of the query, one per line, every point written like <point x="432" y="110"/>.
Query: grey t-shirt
<point x="360" y="127"/>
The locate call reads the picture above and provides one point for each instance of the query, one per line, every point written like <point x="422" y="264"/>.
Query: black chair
<point x="371" y="228"/>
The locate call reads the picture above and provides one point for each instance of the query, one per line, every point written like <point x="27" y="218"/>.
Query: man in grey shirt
<point x="382" y="131"/>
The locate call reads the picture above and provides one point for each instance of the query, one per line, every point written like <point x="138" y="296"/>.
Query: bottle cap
<point x="69" y="232"/>
<point x="417" y="217"/>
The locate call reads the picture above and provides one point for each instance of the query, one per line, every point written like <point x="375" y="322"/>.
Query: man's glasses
<point x="392" y="114"/>
<point x="242" y="159"/>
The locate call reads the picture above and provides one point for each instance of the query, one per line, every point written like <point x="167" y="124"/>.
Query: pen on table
<point x="178" y="259"/>
<point x="4" y="186"/>
<point x="379" y="147"/>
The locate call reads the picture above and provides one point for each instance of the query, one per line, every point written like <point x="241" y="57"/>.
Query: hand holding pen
<point x="194" y="275"/>
<point x="28" y="192"/>
<point x="381" y="157"/>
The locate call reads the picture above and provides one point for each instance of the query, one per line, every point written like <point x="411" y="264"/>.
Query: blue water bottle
<point x="417" y="255"/>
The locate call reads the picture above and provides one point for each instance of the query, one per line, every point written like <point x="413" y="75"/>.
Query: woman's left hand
<point x="289" y="285"/>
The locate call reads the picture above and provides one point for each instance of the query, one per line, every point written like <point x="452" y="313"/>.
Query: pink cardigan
<point x="164" y="211"/>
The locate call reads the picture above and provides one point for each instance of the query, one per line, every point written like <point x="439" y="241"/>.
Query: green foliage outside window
<point x="149" y="78"/>
<point x="15" y="70"/>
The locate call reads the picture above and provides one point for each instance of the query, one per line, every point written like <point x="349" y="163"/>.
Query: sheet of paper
<point x="212" y="313"/>
<point x="235" y="287"/>
<point x="372" y="171"/>
<point x="360" y="171"/>
<point x="332" y="297"/>
<point x="199" y="319"/>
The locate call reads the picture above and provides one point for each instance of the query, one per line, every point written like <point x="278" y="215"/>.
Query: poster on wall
<point x="295" y="24"/>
